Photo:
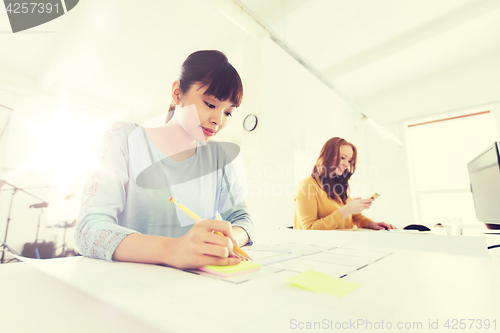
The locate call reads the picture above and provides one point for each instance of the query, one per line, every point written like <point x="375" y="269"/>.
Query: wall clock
<point x="250" y="122"/>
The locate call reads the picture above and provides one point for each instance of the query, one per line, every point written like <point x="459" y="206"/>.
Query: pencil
<point x="185" y="210"/>
<point x="197" y="218"/>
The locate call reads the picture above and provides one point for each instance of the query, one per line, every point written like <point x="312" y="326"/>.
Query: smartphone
<point x="375" y="195"/>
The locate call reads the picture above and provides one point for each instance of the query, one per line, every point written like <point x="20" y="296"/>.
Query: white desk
<point x="420" y="282"/>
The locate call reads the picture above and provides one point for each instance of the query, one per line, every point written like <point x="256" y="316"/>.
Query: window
<point x="53" y="144"/>
<point x="438" y="153"/>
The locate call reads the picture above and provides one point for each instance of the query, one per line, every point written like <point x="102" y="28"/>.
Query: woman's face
<point x="345" y="157"/>
<point x="203" y="116"/>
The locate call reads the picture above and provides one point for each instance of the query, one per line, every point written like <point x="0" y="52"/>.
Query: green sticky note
<point x="242" y="267"/>
<point x="316" y="281"/>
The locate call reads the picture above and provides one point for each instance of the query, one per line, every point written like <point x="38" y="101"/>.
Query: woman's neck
<point x="173" y="141"/>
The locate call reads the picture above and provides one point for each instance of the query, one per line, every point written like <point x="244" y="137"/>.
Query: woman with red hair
<point x="322" y="200"/>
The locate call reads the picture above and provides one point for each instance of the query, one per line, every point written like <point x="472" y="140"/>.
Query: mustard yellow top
<point x="314" y="210"/>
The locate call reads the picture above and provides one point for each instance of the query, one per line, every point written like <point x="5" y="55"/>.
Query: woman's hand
<point x="380" y="225"/>
<point x="201" y="246"/>
<point x="355" y="206"/>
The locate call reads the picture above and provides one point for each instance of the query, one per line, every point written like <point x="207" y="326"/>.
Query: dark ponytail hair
<point x="213" y="71"/>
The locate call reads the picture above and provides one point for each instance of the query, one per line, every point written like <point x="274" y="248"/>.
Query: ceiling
<point x="113" y="54"/>
<point x="364" y="47"/>
<point x="122" y="56"/>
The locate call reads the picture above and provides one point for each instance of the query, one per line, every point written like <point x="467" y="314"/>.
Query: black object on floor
<point x="39" y="250"/>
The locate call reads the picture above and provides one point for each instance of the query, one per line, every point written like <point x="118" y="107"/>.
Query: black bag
<point x="39" y="250"/>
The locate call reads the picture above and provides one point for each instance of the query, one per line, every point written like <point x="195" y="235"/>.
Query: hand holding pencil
<point x="239" y="252"/>
<point x="236" y="248"/>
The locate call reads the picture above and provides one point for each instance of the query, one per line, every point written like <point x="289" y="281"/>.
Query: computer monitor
<point x="484" y="175"/>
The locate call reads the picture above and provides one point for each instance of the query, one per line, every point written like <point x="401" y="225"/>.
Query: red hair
<point x="328" y="161"/>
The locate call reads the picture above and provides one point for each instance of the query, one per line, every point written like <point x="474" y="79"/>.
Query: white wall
<point x="383" y="168"/>
<point x="297" y="115"/>
<point x="7" y="101"/>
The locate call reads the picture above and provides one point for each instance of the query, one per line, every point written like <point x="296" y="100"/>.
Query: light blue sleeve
<point x="97" y="232"/>
<point x="234" y="190"/>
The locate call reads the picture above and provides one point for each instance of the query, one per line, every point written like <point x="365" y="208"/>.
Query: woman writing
<point x="125" y="212"/>
<point x="322" y="200"/>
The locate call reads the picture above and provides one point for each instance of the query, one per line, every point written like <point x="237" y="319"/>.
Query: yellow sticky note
<point x="316" y="281"/>
<point x="242" y="267"/>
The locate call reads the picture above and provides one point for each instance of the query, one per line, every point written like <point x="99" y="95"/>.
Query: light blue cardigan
<point x="130" y="191"/>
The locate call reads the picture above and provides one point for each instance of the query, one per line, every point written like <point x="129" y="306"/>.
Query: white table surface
<point x="423" y="281"/>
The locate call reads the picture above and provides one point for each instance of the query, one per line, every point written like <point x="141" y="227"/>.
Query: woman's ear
<point x="176" y="92"/>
